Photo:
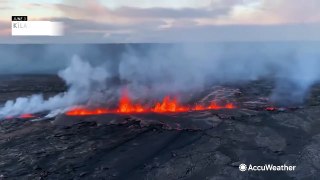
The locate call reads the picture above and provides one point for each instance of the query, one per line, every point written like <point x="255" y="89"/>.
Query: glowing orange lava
<point x="271" y="109"/>
<point x="86" y="112"/>
<point x="26" y="116"/>
<point x="126" y="106"/>
<point x="169" y="105"/>
<point x="22" y="116"/>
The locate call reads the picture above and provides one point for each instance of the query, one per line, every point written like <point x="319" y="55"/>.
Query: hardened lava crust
<point x="207" y="144"/>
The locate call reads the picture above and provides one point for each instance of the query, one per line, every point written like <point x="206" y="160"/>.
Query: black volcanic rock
<point x="192" y="145"/>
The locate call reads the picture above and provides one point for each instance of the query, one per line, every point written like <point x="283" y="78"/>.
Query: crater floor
<point x="193" y="145"/>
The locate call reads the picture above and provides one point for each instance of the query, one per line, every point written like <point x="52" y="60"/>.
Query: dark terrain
<point x="193" y="145"/>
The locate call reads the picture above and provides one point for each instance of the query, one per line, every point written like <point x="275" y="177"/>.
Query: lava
<point x="271" y="109"/>
<point x="22" y="116"/>
<point x="169" y="105"/>
<point x="26" y="116"/>
<point x="126" y="106"/>
<point x="86" y="112"/>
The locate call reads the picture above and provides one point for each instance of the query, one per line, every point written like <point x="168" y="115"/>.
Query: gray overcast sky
<point x="107" y="21"/>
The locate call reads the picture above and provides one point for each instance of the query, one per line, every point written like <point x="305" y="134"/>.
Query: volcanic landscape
<point x="203" y="143"/>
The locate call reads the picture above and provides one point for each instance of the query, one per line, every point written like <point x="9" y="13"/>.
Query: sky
<point x="135" y="21"/>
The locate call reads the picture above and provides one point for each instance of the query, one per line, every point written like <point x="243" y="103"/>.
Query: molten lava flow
<point x="229" y="106"/>
<point x="167" y="105"/>
<point x="199" y="108"/>
<point x="126" y="106"/>
<point x="85" y="112"/>
<point x="26" y="116"/>
<point x="22" y="116"/>
<point x="271" y="109"/>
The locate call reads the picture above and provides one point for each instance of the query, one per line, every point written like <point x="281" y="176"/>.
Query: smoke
<point x="296" y="77"/>
<point x="187" y="68"/>
<point x="83" y="80"/>
<point x="152" y="71"/>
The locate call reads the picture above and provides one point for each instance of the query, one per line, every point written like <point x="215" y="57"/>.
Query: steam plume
<point x="187" y="68"/>
<point x="82" y="79"/>
<point x="153" y="71"/>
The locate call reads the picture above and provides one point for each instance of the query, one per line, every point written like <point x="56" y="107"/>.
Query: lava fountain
<point x="127" y="106"/>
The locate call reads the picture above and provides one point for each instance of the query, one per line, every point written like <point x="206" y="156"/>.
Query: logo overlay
<point x="242" y="167"/>
<point x="20" y="26"/>
<point x="266" y="167"/>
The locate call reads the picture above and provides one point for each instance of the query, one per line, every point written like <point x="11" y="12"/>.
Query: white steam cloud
<point x="82" y="79"/>
<point x="187" y="68"/>
<point x="179" y="69"/>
